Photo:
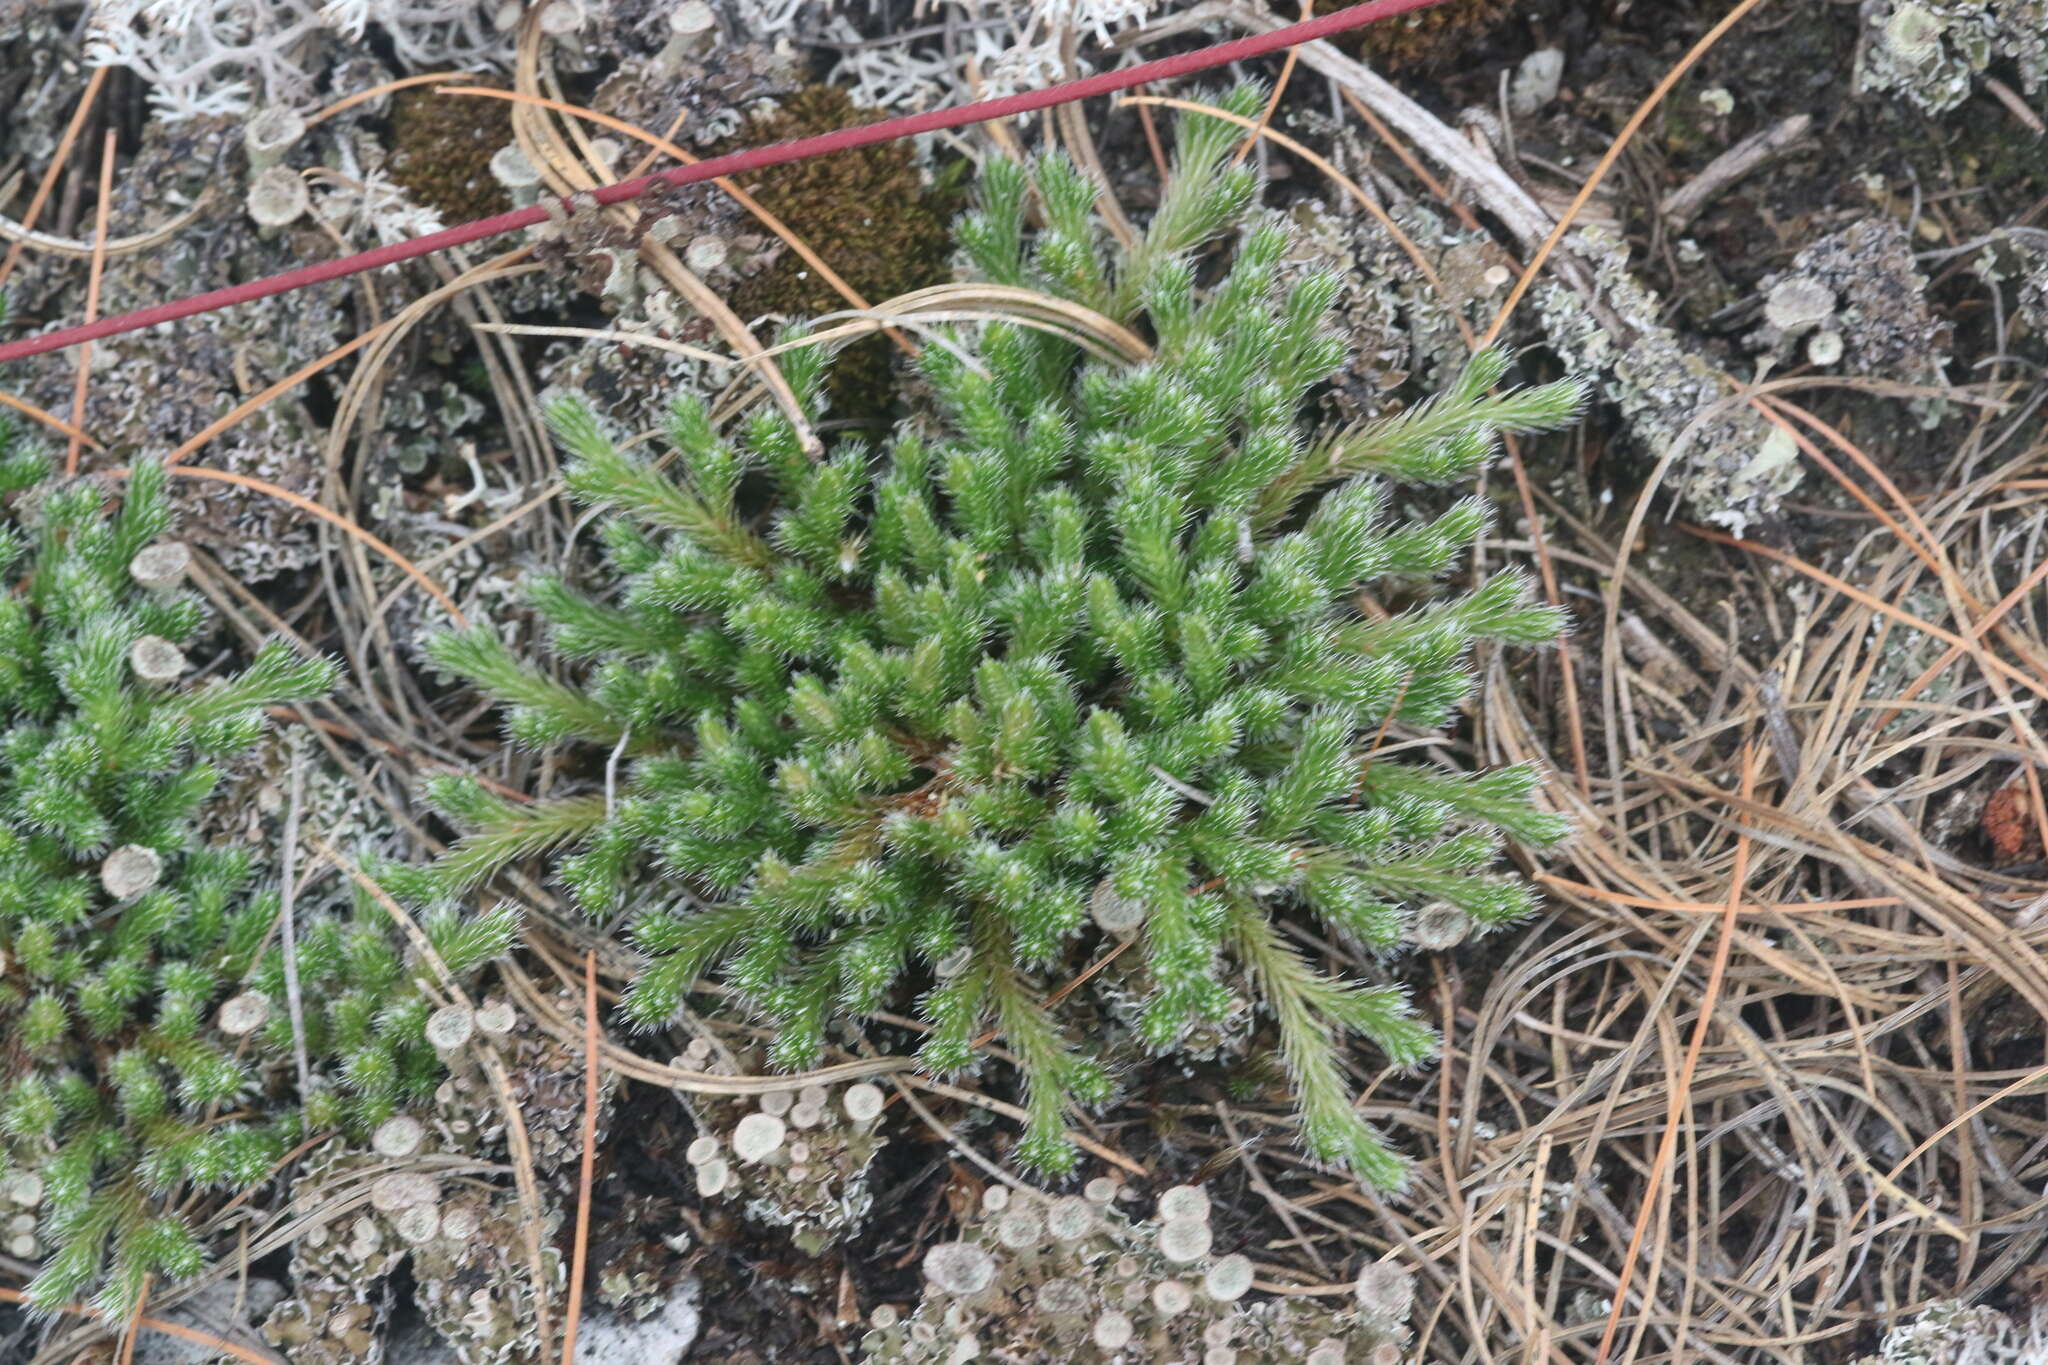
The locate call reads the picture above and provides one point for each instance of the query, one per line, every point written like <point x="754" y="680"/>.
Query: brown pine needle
<point x="266" y="396"/>
<point x="1407" y="158"/>
<point x="388" y="88"/>
<point x="130" y="1332"/>
<point x="580" y="1254"/>
<point x="50" y="420"/>
<point x="173" y="1329"/>
<point x="92" y="305"/>
<point x="1681" y="1092"/>
<point x="1308" y="12"/>
<point x="1607" y="160"/>
<point x="1679" y="907"/>
<point x="1151" y="127"/>
<point x="1992" y="663"/>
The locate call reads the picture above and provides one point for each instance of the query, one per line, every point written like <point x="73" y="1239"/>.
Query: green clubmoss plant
<point x="1080" y="645"/>
<point x="148" y="1048"/>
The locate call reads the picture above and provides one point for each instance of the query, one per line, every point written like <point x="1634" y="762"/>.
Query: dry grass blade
<point x="1011" y="1111"/>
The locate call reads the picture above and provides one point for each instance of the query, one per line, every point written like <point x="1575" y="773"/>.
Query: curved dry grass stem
<point x="1439" y="192"/>
<point x="625" y="1062"/>
<point x="118" y="246"/>
<point x="58" y="161"/>
<point x="1993" y="665"/>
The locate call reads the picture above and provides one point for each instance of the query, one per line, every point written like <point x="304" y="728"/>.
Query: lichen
<point x="1954" y="1333"/>
<point x="1038" y="1279"/>
<point x="1401" y="327"/>
<point x="1932" y="51"/>
<point x="795" y="1158"/>
<point x="210" y="58"/>
<point x="154" y="389"/>
<point x="715" y="93"/>
<point x="465" y="1244"/>
<point x="1730" y="472"/>
<point x="1860" y="292"/>
<point x="2033" y="290"/>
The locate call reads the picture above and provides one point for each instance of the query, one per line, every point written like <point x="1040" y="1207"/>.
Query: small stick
<point x="1683" y="204"/>
<point x="885" y="130"/>
<point x="2018" y="107"/>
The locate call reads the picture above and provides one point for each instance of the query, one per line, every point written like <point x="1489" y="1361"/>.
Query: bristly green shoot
<point x="121" y="1089"/>
<point x="903" y="720"/>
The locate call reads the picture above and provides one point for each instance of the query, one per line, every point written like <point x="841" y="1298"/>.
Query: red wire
<point x="887" y="130"/>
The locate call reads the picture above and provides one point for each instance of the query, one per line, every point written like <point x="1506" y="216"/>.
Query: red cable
<point x="887" y="130"/>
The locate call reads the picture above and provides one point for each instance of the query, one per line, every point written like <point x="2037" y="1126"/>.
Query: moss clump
<point x="1426" y="40"/>
<point x="1074" y="653"/>
<point x="442" y="147"/>
<point x="868" y="213"/>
